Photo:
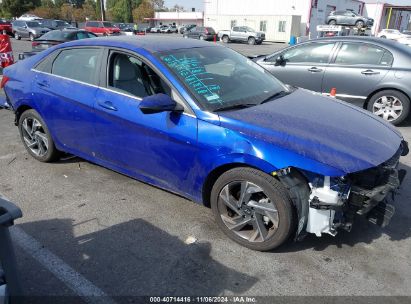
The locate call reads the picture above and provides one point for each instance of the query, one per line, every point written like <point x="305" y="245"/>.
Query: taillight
<point x="34" y="43"/>
<point x="4" y="81"/>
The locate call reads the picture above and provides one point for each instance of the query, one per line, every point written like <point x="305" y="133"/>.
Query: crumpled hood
<point x="321" y="128"/>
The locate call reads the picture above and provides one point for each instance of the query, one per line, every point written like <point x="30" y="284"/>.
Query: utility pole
<point x="103" y="13"/>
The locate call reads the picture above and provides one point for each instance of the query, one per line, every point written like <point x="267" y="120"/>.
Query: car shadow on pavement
<point x="362" y="230"/>
<point x="135" y="258"/>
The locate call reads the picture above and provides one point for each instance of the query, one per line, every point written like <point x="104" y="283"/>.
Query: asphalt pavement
<point x="93" y="232"/>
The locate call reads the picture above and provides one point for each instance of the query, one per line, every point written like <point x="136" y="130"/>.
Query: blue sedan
<point x="198" y="119"/>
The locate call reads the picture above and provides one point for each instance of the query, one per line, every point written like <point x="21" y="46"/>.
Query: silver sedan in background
<point x="369" y="72"/>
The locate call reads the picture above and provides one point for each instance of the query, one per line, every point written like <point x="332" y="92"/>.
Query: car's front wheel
<point x="359" y="24"/>
<point x="17" y="36"/>
<point x="36" y="137"/>
<point x="391" y="105"/>
<point x="251" y="40"/>
<point x="252" y="208"/>
<point x="332" y="22"/>
<point x="225" y="39"/>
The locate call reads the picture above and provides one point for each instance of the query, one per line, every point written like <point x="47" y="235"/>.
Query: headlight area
<point x="334" y="202"/>
<point x="327" y="203"/>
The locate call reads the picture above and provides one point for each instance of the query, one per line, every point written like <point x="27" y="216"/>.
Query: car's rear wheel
<point x="225" y="39"/>
<point x="252" y="208"/>
<point x="36" y="137"/>
<point x="332" y="22"/>
<point x="31" y="37"/>
<point x="359" y="24"/>
<point x="201" y="37"/>
<point x="251" y="40"/>
<point x="391" y="105"/>
<point x="383" y="36"/>
<point x="16" y="36"/>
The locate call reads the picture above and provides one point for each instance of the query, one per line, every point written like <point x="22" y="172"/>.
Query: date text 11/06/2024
<point x="222" y="299"/>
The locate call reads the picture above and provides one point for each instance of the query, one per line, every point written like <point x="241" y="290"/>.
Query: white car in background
<point x="392" y="34"/>
<point x="405" y="40"/>
<point x="29" y="17"/>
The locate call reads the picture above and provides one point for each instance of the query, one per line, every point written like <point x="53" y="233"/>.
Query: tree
<point x="144" y="10"/>
<point x="178" y="8"/>
<point x="15" y="8"/>
<point x="46" y="12"/>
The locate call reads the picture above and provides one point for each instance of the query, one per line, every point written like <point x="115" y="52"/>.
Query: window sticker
<point x="195" y="76"/>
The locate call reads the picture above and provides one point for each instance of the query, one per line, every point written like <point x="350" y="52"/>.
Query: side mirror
<point x="280" y="60"/>
<point x="159" y="103"/>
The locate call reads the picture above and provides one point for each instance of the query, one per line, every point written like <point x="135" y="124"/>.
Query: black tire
<point x="383" y="37"/>
<point x="332" y="22"/>
<point x="404" y="100"/>
<point x="274" y="190"/>
<point x="52" y="153"/>
<point x="201" y="37"/>
<point x="225" y="39"/>
<point x="251" y="40"/>
<point x="16" y="36"/>
<point x="359" y="24"/>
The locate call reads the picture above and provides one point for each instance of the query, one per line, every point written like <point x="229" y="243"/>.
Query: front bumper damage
<point x="333" y="203"/>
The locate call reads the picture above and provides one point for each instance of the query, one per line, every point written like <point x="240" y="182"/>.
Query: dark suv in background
<point x="55" y="24"/>
<point x="201" y="32"/>
<point x="348" y="17"/>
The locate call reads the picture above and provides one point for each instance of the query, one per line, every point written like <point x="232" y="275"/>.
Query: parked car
<point x="405" y="40"/>
<point x="55" y="37"/>
<point x="56" y="24"/>
<point x="5" y="25"/>
<point x="186" y="28"/>
<point x="203" y="121"/>
<point x="158" y="29"/>
<point x="406" y="32"/>
<point x="348" y="17"/>
<point x="172" y="29"/>
<point x="28" y="29"/>
<point x="29" y="17"/>
<point x="242" y="34"/>
<point x="102" y="28"/>
<point x="392" y="34"/>
<point x="125" y="28"/>
<point x="201" y="32"/>
<point x="369" y="72"/>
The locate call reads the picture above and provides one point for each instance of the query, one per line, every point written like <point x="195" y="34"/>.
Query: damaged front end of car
<point x="331" y="203"/>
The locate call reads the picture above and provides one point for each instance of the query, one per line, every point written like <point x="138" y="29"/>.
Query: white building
<point x="282" y="18"/>
<point x="176" y="18"/>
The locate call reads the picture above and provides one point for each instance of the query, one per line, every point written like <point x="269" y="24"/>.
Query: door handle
<point x="43" y="83"/>
<point x="315" y="70"/>
<point x="107" y="105"/>
<point x="369" y="72"/>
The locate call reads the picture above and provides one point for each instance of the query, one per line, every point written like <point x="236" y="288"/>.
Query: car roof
<point x="151" y="43"/>
<point x="365" y="39"/>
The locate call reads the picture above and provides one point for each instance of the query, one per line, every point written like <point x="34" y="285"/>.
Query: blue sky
<point x="188" y="4"/>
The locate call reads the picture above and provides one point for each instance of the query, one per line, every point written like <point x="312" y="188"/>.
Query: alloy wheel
<point x="388" y="107"/>
<point x="34" y="136"/>
<point x="247" y="211"/>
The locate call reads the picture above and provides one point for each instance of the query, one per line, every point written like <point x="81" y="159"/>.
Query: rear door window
<point x="352" y="53"/>
<point x="79" y="64"/>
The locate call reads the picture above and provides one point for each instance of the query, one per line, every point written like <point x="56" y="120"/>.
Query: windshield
<point x="33" y="24"/>
<point x="108" y="24"/>
<point x="219" y="77"/>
